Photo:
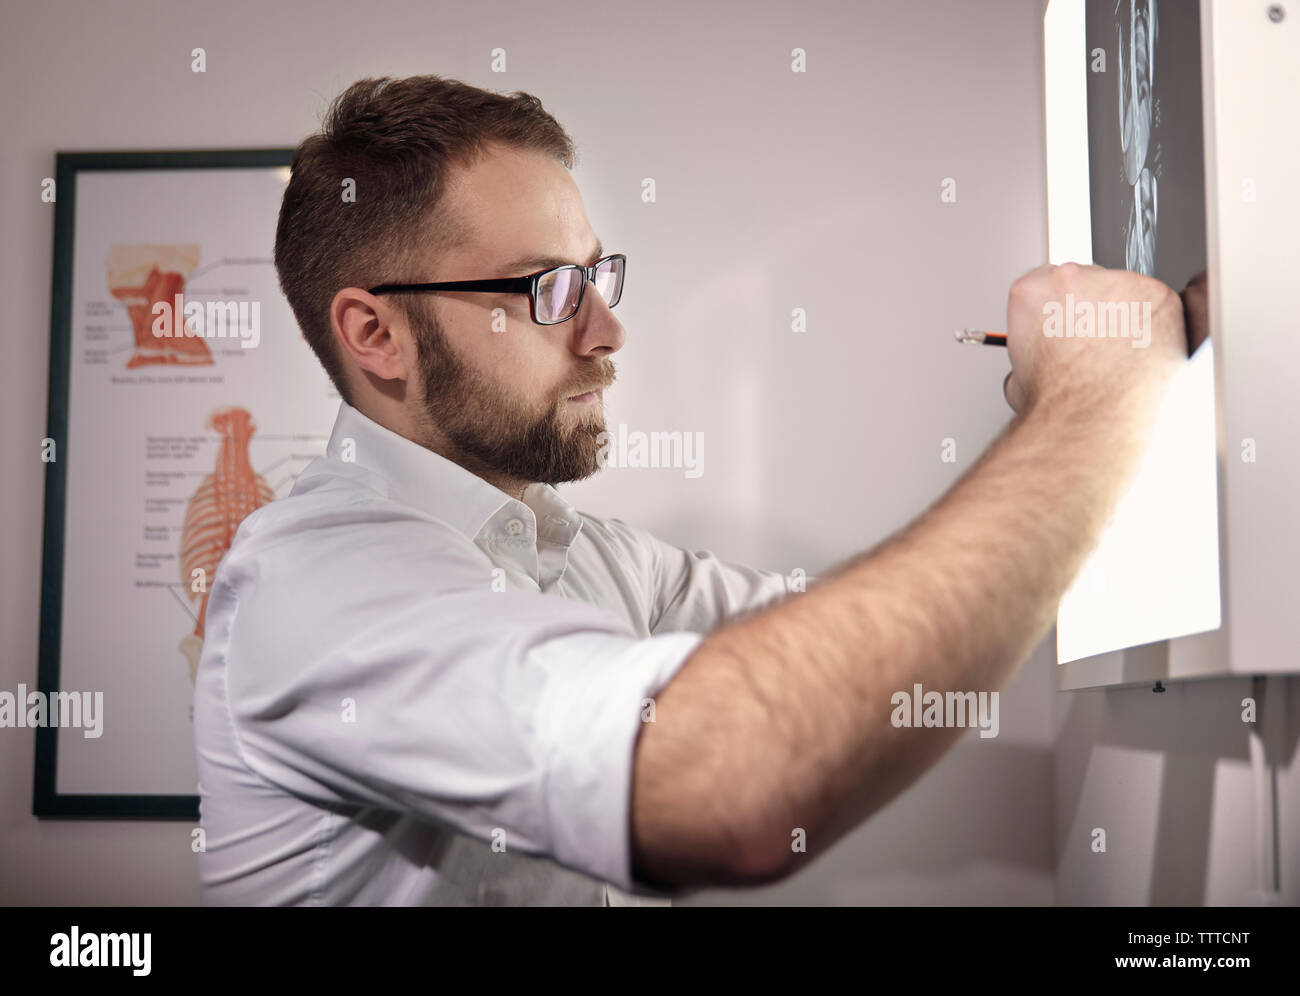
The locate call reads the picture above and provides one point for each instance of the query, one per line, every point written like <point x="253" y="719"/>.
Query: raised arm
<point x="781" y="721"/>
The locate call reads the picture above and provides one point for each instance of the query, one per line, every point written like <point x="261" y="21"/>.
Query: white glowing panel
<point x="1155" y="573"/>
<point x="1122" y="88"/>
<point x="1069" y="220"/>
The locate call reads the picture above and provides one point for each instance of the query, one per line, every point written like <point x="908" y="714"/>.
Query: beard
<point x="493" y="433"/>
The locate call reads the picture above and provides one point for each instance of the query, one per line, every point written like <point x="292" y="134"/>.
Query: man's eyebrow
<point x="531" y="263"/>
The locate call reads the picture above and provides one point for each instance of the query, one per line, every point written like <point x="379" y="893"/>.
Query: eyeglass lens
<point x="558" y="291"/>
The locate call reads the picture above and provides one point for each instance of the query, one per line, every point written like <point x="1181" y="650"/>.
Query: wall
<point x="1168" y="777"/>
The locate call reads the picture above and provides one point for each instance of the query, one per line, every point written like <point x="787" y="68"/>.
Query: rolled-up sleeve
<point x="509" y="716"/>
<point x="589" y="745"/>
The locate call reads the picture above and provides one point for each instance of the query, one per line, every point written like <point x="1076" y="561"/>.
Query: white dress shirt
<point x="415" y="689"/>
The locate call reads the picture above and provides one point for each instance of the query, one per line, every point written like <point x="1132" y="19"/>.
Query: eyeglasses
<point x="554" y="295"/>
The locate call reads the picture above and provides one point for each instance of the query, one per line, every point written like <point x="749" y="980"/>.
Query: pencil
<point x="979" y="337"/>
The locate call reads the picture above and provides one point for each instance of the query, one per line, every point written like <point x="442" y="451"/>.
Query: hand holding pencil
<point x="1059" y="367"/>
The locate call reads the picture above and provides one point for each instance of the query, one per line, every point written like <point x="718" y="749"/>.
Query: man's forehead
<point x="528" y="260"/>
<point x="511" y="254"/>
<point x="519" y="212"/>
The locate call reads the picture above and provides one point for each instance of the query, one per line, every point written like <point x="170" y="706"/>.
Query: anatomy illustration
<point x="223" y="500"/>
<point x="141" y="276"/>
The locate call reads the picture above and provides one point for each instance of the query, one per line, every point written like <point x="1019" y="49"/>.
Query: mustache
<point x="597" y="386"/>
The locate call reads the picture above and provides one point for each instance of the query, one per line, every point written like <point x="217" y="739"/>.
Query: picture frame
<point x="165" y="429"/>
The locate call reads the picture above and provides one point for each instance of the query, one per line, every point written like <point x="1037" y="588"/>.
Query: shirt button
<point x="514" y="527"/>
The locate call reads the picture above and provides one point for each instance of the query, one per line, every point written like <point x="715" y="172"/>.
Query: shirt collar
<point x="418" y="477"/>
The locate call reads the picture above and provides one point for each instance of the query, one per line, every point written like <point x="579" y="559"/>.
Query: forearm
<point x="782" y="720"/>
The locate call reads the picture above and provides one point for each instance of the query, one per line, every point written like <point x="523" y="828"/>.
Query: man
<point x="428" y="679"/>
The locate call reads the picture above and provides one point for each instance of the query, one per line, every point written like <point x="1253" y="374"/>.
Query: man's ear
<point x="372" y="333"/>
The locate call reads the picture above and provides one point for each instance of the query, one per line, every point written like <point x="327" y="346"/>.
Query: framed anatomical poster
<point x="182" y="398"/>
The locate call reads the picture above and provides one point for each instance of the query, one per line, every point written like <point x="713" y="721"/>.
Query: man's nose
<point x="596" y="330"/>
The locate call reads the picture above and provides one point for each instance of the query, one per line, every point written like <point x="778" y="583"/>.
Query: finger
<point x="1014" y="395"/>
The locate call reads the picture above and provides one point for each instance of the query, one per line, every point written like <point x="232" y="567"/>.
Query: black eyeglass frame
<point x="521" y="285"/>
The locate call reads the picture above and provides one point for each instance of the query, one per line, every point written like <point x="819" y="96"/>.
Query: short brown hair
<point x="397" y="139"/>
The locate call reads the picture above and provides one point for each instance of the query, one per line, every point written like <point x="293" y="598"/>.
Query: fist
<point x="1086" y="337"/>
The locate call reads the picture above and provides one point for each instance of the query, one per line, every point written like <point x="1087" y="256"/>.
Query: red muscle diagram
<point x="223" y="500"/>
<point x="141" y="276"/>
